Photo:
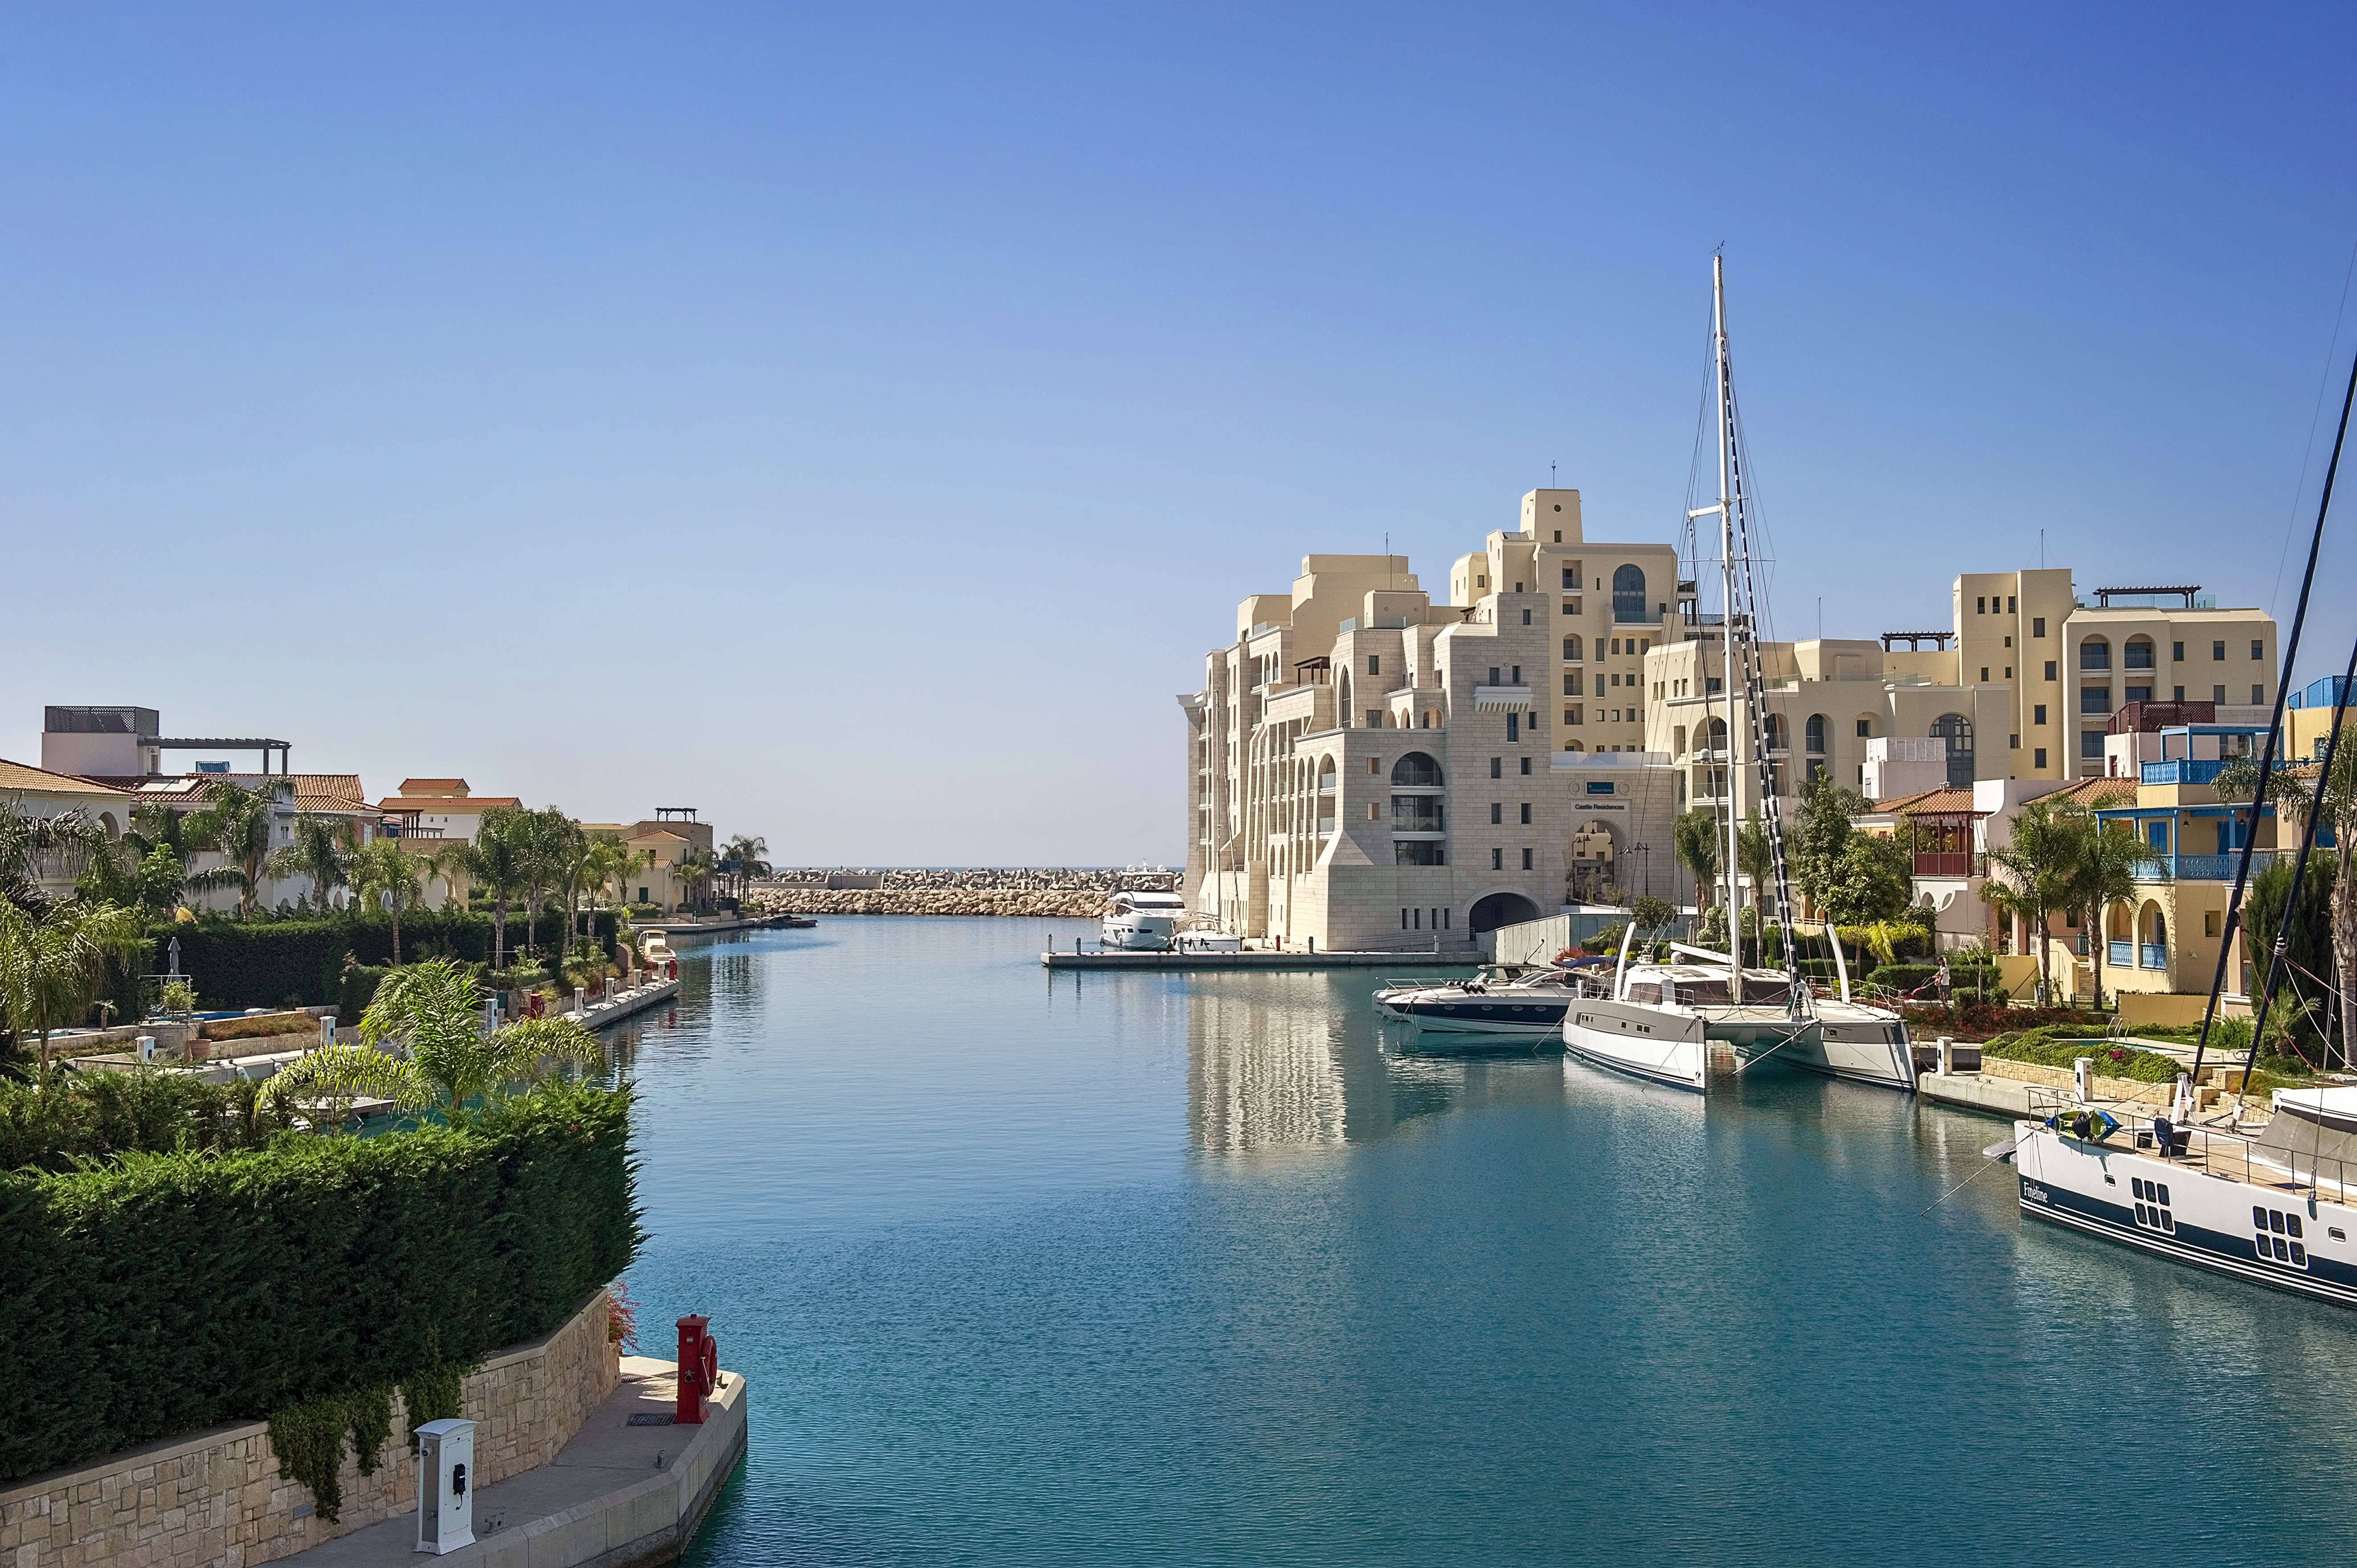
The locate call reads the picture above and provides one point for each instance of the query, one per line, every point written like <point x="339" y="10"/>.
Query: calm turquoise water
<point x="1194" y="1270"/>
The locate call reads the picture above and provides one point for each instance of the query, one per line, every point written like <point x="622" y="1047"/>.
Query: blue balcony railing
<point x="2117" y="954"/>
<point x="2182" y="770"/>
<point x="2199" y="867"/>
<point x="2152" y="955"/>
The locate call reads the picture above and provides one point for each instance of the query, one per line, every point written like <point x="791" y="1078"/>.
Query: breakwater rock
<point x="1058" y="903"/>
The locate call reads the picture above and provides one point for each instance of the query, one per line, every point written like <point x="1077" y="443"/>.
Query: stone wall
<point x="217" y="1497"/>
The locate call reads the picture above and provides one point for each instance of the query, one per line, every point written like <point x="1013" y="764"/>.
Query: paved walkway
<point x="616" y="1494"/>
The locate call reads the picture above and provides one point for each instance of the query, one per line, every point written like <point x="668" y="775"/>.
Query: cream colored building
<point x="1368" y="768"/>
<point x="37" y="792"/>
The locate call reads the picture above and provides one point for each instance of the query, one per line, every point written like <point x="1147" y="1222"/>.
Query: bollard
<point x="581" y="999"/>
<point x="1947" y="1057"/>
<point x="699" y="1369"/>
<point x="328" y="1030"/>
<point x="147" y="1044"/>
<point x="1313" y="944"/>
<point x="2083" y="1077"/>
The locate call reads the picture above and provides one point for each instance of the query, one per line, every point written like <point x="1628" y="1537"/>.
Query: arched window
<point x="2095" y="654"/>
<point x="1573" y="746"/>
<point x="1775" y="729"/>
<point x="1571" y="649"/>
<point x="1713" y="735"/>
<point x="1325" y="776"/>
<point x="1957" y="731"/>
<point x="1627" y="593"/>
<point x="2138" y="654"/>
<point x="1416" y="770"/>
<point x="1813" y="734"/>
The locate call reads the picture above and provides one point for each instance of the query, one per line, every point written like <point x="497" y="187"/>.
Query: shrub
<point x="66" y="1119"/>
<point x="258" y="1028"/>
<point x="169" y="1292"/>
<point x="1904" y="976"/>
<point x="273" y="963"/>
<point x="2054" y="1045"/>
<point x="1972" y="1020"/>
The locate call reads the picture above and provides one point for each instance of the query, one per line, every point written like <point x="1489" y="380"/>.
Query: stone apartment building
<point x="1369" y="768"/>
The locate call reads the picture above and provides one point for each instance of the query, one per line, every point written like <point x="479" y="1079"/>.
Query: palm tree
<point x="381" y="869"/>
<point x="27" y="842"/>
<point x="594" y="861"/>
<point x="319" y="851"/>
<point x="1695" y="838"/>
<point x="742" y="858"/>
<point x="2106" y="875"/>
<point x="695" y="869"/>
<point x="550" y="840"/>
<point x="53" y="965"/>
<point x="631" y="862"/>
<point x="434" y="1009"/>
<point x="497" y="860"/>
<point x="236" y="824"/>
<point x="2336" y="808"/>
<point x="2031" y="876"/>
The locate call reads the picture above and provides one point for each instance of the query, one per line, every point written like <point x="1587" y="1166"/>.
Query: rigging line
<point x="1960" y="1187"/>
<point x="2306" y="836"/>
<point x="2323" y="385"/>
<point x="2275" y="728"/>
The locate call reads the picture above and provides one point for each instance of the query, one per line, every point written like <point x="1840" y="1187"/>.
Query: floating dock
<point x="1260" y="961"/>
<point x="598" y="1014"/>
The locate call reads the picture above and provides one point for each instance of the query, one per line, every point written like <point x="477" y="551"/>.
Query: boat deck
<point x="2230" y="1156"/>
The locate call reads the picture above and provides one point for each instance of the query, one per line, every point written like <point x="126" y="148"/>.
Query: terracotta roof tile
<point x="21" y="778"/>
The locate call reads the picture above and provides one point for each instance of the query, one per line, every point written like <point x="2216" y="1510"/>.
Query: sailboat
<point x="1665" y="1022"/>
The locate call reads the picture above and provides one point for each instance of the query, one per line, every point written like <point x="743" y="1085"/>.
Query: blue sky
<point x="858" y="422"/>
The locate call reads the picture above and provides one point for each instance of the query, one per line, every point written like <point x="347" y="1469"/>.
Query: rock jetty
<point x="1035" y="891"/>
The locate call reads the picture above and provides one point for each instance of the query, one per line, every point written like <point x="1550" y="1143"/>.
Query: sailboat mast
<point x="1727" y="601"/>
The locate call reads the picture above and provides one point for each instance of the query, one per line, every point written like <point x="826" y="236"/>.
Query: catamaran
<point x="1665" y="1022"/>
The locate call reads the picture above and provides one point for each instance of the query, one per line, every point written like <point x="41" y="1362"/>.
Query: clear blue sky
<point x="857" y="422"/>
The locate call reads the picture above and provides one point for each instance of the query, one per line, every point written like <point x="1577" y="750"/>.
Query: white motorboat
<point x="1499" y="1001"/>
<point x="1142" y="922"/>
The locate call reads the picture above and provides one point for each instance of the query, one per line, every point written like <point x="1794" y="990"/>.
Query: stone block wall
<point x="217" y="1498"/>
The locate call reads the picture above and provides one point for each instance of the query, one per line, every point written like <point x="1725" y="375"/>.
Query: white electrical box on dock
<point x="446" y="1486"/>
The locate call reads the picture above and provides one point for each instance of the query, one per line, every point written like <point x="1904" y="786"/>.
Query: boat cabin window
<point x="2278" y="1237"/>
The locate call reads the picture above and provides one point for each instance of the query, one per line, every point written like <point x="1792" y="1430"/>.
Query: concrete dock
<point x="638" y="999"/>
<point x="2006" y="1097"/>
<point x="616" y="1496"/>
<point x="1260" y="961"/>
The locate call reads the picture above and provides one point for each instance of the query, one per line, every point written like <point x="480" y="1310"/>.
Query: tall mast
<point x="1727" y="602"/>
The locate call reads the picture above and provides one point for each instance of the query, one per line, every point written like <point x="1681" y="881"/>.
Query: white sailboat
<point x="1665" y="1022"/>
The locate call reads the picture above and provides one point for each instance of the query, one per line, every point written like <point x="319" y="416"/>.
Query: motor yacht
<point x="1501" y="1000"/>
<point x="1142" y="922"/>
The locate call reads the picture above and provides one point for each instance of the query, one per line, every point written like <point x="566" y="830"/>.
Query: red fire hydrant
<point x="699" y="1369"/>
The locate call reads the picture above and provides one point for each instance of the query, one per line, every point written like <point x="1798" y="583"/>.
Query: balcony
<point x="2152" y="955"/>
<point x="1635" y="616"/>
<point x="2151" y="718"/>
<point x="2118" y="954"/>
<point x="2182" y="770"/>
<point x="1943" y="863"/>
<point x="2199" y="867"/>
<point x="1325" y="827"/>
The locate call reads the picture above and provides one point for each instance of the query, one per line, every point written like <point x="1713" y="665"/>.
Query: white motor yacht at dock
<point x="1502" y="1002"/>
<point x="1142" y="922"/>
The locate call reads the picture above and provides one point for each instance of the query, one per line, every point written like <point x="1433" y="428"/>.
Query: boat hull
<point x="2227" y="1227"/>
<point x="1137" y="933"/>
<point x="1656" y="1044"/>
<point x="1506" y="1017"/>
<point x="1856" y="1045"/>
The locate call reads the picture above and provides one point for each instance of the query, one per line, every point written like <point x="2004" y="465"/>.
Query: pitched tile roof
<point x="2097" y="792"/>
<point x="433" y="786"/>
<point x="17" y="777"/>
<point x="449" y="805"/>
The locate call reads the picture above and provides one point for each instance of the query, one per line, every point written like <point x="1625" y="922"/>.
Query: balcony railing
<point x="1639" y="617"/>
<point x="2199" y="867"/>
<point x="2119" y="955"/>
<point x="2152" y="955"/>
<point x="2182" y="770"/>
<point x="1943" y="863"/>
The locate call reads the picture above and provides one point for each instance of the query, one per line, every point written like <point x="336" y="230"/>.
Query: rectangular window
<point x="1493" y="676"/>
<point x="1514" y="726"/>
<point x="1571" y="715"/>
<point x="1571" y="576"/>
<point x="1527" y="860"/>
<point x="1980" y="607"/>
<point x="1497" y="767"/>
<point x="1498" y="812"/>
<point x="2208" y="922"/>
<point x="2091" y="744"/>
<point x="2180" y="694"/>
<point x="2038" y="625"/>
<point x="1518" y="676"/>
<point x="2037" y="714"/>
<point x="1371" y="814"/>
<point x="1419" y="919"/>
<point x="1571" y="684"/>
<point x="2258" y="697"/>
<point x="2008" y="604"/>
<point x="1865" y="727"/>
<point x="2016" y="741"/>
<point x="1526" y="617"/>
<point x="1497" y="860"/>
<point x="1403" y="920"/>
<point x="1374" y="718"/>
<point x="1526" y="767"/>
<point x="1374" y="663"/>
<point x="2218" y="694"/>
<point x="1984" y="671"/>
<point x="1374" y="765"/>
<point x="2217" y="651"/>
<point x="2038" y="758"/>
<point x="1526" y="813"/>
<point x="2177" y="651"/>
<point x="2258" y="648"/>
<point x="2049" y="670"/>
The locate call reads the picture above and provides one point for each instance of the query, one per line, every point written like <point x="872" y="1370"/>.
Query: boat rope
<point x="2274" y="733"/>
<point x="1991" y="1160"/>
<point x="2306" y="843"/>
<point x="1743" y="1066"/>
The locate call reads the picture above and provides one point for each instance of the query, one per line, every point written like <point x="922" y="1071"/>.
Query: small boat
<point x="1142" y="922"/>
<point x="1500" y="1000"/>
<point x="1660" y="1021"/>
<point x="1209" y="942"/>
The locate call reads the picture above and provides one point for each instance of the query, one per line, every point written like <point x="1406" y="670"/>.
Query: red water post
<point x="698" y="1356"/>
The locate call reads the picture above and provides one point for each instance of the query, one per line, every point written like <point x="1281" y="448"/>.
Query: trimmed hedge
<point x="300" y="963"/>
<point x="2062" y="1044"/>
<point x="1904" y="976"/>
<point x="1970" y="1020"/>
<point x="56" y="1126"/>
<point x="171" y="1291"/>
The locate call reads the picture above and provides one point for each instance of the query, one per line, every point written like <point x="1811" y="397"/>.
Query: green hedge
<point x="170" y="1291"/>
<point x="300" y="963"/>
<point x="2062" y="1044"/>
<point x="58" y="1124"/>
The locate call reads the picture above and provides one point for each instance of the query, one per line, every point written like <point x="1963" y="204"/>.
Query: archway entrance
<point x="1596" y="874"/>
<point x="1501" y="909"/>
